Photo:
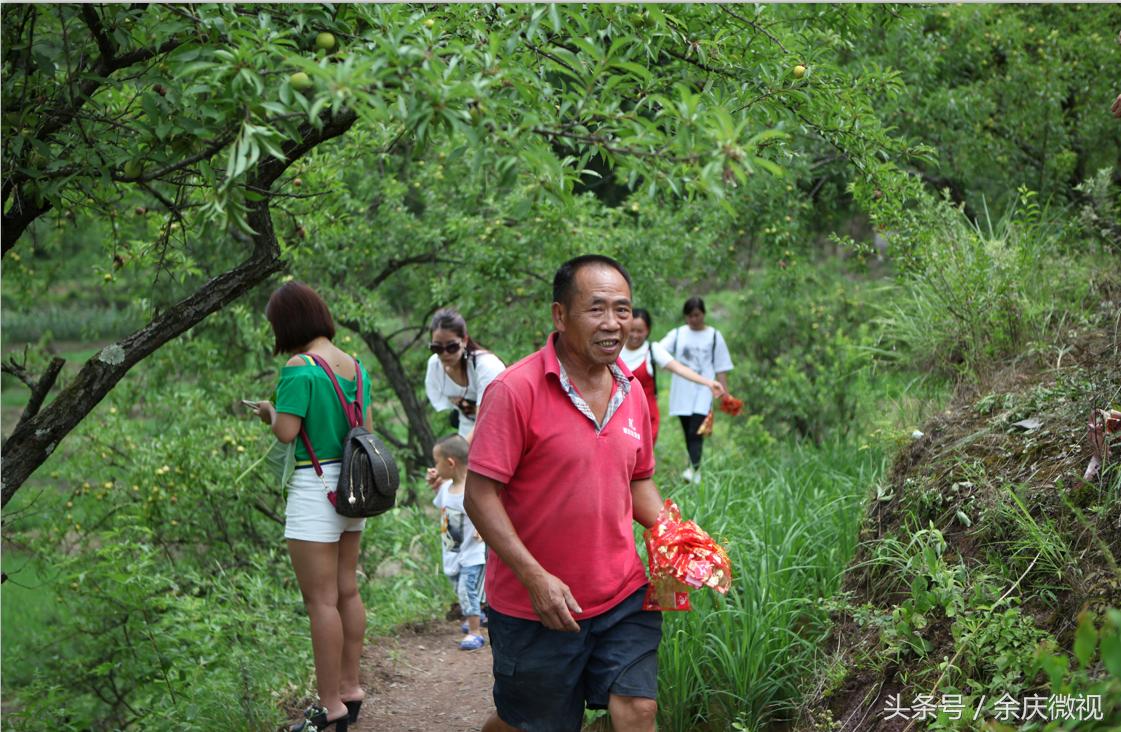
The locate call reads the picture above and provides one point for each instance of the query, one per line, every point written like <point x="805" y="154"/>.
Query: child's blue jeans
<point x="468" y="586"/>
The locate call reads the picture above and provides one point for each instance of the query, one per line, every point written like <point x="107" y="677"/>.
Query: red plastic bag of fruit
<point x="682" y="558"/>
<point x="730" y="405"/>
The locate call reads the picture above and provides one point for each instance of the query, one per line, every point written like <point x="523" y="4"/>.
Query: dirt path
<point x="419" y="681"/>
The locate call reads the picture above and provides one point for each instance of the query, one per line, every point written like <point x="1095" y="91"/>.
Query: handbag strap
<point x="351" y="410"/>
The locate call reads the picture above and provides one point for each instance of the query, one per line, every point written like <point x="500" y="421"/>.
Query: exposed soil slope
<point x="984" y="545"/>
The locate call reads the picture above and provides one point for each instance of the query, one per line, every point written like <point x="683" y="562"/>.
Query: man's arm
<point x="722" y="377"/>
<point x="646" y="500"/>
<point x="552" y="599"/>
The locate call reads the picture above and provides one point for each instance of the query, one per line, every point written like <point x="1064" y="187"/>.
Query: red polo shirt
<point x="567" y="487"/>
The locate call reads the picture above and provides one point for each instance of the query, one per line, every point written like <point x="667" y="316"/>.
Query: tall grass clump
<point x="976" y="293"/>
<point x="789" y="518"/>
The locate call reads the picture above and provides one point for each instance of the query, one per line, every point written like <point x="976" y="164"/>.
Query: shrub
<point x="802" y="349"/>
<point x="975" y="294"/>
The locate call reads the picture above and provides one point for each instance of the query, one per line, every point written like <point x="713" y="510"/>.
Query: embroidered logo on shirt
<point x="630" y="431"/>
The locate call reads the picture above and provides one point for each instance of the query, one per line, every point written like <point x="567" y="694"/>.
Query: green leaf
<point x="1055" y="665"/>
<point x="1111" y="650"/>
<point x="770" y="166"/>
<point x="1085" y="638"/>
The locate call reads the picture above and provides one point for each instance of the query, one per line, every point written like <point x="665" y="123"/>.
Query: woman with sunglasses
<point x="459" y="370"/>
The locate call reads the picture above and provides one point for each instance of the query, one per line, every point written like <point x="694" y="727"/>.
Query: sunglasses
<point x="448" y="348"/>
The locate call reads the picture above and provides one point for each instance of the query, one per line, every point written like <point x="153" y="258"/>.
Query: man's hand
<point x="718" y="389"/>
<point x="551" y="598"/>
<point x="432" y="478"/>
<point x="553" y="602"/>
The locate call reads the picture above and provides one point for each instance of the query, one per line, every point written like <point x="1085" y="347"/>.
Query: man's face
<point x="594" y="325"/>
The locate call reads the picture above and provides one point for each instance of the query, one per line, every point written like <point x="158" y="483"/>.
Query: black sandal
<point x="352" y="709"/>
<point x="315" y="720"/>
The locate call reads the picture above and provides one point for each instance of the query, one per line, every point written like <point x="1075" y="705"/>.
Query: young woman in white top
<point x="703" y="349"/>
<point x="641" y="355"/>
<point x="459" y="370"/>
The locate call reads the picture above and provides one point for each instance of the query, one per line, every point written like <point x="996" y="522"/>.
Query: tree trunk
<point x="35" y="439"/>
<point x="36" y="436"/>
<point x="421" y="437"/>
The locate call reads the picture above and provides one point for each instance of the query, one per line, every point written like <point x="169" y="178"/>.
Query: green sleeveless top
<point x="306" y="392"/>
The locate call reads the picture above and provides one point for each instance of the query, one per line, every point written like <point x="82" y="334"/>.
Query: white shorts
<point x="309" y="516"/>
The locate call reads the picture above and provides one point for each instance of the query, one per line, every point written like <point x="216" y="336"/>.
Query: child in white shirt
<point x="463" y="549"/>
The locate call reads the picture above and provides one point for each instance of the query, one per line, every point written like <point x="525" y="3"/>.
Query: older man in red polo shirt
<point x="560" y="466"/>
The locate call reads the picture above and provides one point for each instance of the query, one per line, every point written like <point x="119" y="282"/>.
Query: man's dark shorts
<point x="543" y="678"/>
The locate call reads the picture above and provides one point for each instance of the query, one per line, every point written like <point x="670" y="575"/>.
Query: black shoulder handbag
<point x="368" y="481"/>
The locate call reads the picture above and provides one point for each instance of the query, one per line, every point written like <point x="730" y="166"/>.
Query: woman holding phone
<point x="322" y="544"/>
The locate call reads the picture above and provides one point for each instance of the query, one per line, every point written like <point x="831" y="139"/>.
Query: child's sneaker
<point x="472" y="643"/>
<point x="482" y="623"/>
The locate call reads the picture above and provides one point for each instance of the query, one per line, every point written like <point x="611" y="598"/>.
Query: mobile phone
<point x="250" y="403"/>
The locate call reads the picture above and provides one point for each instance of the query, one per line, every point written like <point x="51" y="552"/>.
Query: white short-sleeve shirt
<point x="705" y="352"/>
<point x="650" y="352"/>
<point x="462" y="545"/>
<point x="443" y="392"/>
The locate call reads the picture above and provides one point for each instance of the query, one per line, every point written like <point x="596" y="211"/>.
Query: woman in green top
<point x="322" y="544"/>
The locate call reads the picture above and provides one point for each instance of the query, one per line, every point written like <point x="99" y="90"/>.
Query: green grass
<point x="77" y="321"/>
<point x="789" y="520"/>
<point x="28" y="608"/>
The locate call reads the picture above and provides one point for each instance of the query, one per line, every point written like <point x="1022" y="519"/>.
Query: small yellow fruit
<point x="297" y="182"/>
<point x="799" y="71"/>
<point x="108" y="277"/>
<point x="299" y="81"/>
<point x="133" y="169"/>
<point x="428" y="22"/>
<point x="325" y="40"/>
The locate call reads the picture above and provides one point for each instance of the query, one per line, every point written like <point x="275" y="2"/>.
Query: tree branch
<point x="61" y="116"/>
<point x="726" y="73"/>
<point x="105" y="44"/>
<point x="394" y="265"/>
<point x="268" y="512"/>
<point x="22" y="212"/>
<point x="604" y="143"/>
<point x="175" y="211"/>
<point x="209" y="152"/>
<point x="18" y="217"/>
<point x="39" y="387"/>
<point x="754" y="25"/>
<point x="35" y="439"/>
<point x="551" y="57"/>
